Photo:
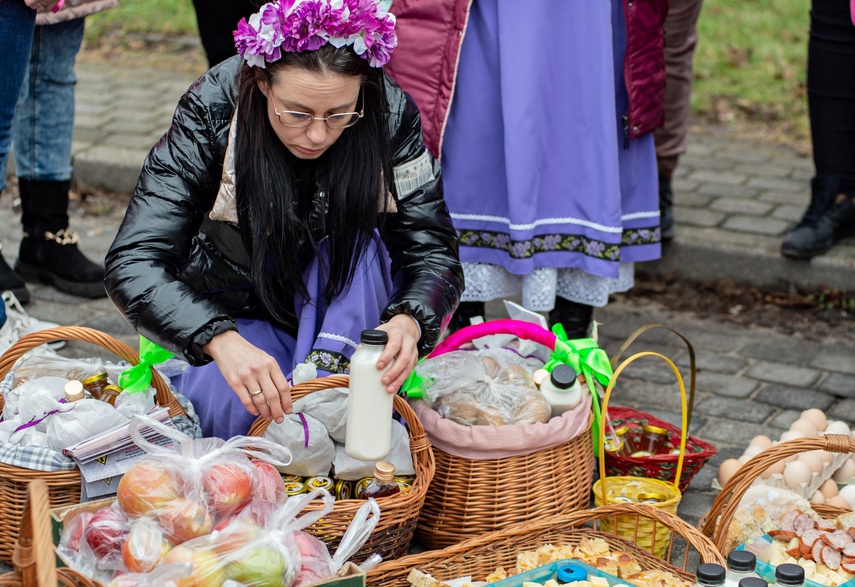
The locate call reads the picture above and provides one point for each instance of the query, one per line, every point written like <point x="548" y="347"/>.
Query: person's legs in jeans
<point x="681" y="37"/>
<point x="17" y="22"/>
<point x="831" y="107"/>
<point x="44" y="125"/>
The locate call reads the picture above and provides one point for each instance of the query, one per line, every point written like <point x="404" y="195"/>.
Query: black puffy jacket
<point x="180" y="278"/>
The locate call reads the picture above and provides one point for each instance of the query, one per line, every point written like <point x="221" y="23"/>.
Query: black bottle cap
<point x="563" y="376"/>
<point x="790" y="574"/>
<point x="741" y="560"/>
<point x="753" y="582"/>
<point x="711" y="574"/>
<point x="374" y="337"/>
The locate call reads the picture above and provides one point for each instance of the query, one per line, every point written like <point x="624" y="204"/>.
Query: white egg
<point x="752" y="451"/>
<point x="837" y="427"/>
<point x="817" y="498"/>
<point x="796" y="475"/>
<point x="826" y="456"/>
<point x="806" y="427"/>
<point x="812" y="460"/>
<point x="816" y="417"/>
<point x="847" y="492"/>
<point x="762" y="441"/>
<point x="774" y="469"/>
<point x="791" y="435"/>
<point x="829" y="488"/>
<point x="845" y="472"/>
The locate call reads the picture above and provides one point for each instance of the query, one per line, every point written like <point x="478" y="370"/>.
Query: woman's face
<point x="317" y="94"/>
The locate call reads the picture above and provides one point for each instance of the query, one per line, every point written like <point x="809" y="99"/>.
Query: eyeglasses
<point x="333" y="121"/>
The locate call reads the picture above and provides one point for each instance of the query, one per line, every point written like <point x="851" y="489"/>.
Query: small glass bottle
<point x="95" y="385"/>
<point x="383" y="483"/>
<point x="710" y="575"/>
<point x="562" y="390"/>
<point x="789" y="575"/>
<point x="110" y="393"/>
<point x="753" y="582"/>
<point x="73" y="391"/>
<point x="740" y="564"/>
<point x="653" y="441"/>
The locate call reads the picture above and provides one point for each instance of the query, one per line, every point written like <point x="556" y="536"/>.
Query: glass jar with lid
<point x="95" y="384"/>
<point x="653" y="441"/>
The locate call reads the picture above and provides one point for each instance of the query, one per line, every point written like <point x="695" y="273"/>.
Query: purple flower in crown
<point x="305" y="27"/>
<point x="258" y="41"/>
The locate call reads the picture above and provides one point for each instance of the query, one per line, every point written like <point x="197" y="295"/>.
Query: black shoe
<point x="465" y="311"/>
<point x="55" y="259"/>
<point x="666" y="209"/>
<point x="11" y="281"/>
<point x="576" y="318"/>
<point x="829" y="218"/>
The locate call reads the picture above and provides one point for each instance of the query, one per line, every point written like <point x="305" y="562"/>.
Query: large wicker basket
<point x="63" y="486"/>
<point x="399" y="513"/>
<point x="481" y="555"/>
<point x="471" y="497"/>
<point x="34" y="558"/>
<point x="717" y="521"/>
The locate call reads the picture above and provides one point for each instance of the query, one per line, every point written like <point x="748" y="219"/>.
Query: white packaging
<point x="369" y="405"/>
<point x="561" y="389"/>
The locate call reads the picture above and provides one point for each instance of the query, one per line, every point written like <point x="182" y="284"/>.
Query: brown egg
<point x="806" y="427"/>
<point x="817" y="498"/>
<point x="838" y="502"/>
<point x="829" y="488"/>
<point x="816" y="417"/>
<point x="812" y="460"/>
<point x="774" y="469"/>
<point x="762" y="441"/>
<point x="727" y="469"/>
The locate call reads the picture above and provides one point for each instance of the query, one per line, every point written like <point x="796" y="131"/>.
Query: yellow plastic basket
<point x="610" y="490"/>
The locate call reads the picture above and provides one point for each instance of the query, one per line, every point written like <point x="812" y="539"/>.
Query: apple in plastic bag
<point x="184" y="519"/>
<point x="144" y="547"/>
<point x="229" y="486"/>
<point x="207" y="566"/>
<point x="147" y="486"/>
<point x="260" y="565"/>
<point x="73" y="530"/>
<point x="271" y="486"/>
<point x="105" y="534"/>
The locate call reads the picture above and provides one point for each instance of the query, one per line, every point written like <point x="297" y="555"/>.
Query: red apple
<point x="106" y="533"/>
<point x="229" y="486"/>
<point x="147" y="486"/>
<point x="239" y="534"/>
<point x="73" y="529"/>
<point x="207" y="566"/>
<point x="184" y="519"/>
<point x="144" y="547"/>
<point x="271" y="486"/>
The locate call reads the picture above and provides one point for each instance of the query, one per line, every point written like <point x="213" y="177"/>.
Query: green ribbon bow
<point x="586" y="357"/>
<point x="138" y="377"/>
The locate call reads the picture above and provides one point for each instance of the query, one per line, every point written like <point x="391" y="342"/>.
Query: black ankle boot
<point x="576" y="318"/>
<point x="465" y="311"/>
<point x="49" y="252"/>
<point x="829" y="218"/>
<point x="11" y="281"/>
<point x="666" y="209"/>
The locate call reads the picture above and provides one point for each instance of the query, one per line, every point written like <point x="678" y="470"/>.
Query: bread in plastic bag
<point x="329" y="407"/>
<point x="308" y="441"/>
<point x="350" y="469"/>
<point x="478" y="390"/>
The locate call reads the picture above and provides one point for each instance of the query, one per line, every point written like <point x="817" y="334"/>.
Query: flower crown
<point x="307" y="25"/>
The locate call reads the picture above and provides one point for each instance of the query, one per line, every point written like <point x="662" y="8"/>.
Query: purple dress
<point x="547" y="197"/>
<point x="327" y="336"/>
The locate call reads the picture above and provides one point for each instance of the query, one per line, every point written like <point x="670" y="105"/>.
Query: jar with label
<point x="95" y="384"/>
<point x="383" y="483"/>
<point x="653" y="441"/>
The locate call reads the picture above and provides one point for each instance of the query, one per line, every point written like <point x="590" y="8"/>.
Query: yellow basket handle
<point x="683" y="430"/>
<point x="692" y="365"/>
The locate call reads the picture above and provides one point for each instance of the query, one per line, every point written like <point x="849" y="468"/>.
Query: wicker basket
<point x="607" y="489"/>
<point x="481" y="555"/>
<point x="63" y="486"/>
<point x="399" y="513"/>
<point x="716" y="522"/>
<point x="472" y="497"/>
<point x="34" y="558"/>
<point x="661" y="466"/>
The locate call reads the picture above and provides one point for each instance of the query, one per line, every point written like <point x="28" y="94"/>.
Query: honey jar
<point x="653" y="440"/>
<point x="95" y="384"/>
<point x="110" y="393"/>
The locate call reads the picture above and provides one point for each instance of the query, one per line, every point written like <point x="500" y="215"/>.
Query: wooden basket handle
<point x="33" y="557"/>
<point x="26" y="343"/>
<point x="717" y="521"/>
<point x="692" y="365"/>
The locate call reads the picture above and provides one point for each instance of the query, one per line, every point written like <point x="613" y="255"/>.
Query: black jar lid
<point x="741" y="560"/>
<point x="711" y="574"/>
<point x="789" y="574"/>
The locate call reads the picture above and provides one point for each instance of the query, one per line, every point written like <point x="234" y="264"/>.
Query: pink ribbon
<point x="58" y="6"/>
<point x="305" y="429"/>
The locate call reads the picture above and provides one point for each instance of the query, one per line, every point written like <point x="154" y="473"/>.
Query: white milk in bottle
<point x="369" y="405"/>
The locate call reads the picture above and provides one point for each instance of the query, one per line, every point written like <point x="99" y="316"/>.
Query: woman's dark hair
<point x="275" y="191"/>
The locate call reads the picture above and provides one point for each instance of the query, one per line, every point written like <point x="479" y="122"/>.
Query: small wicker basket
<point x="717" y="521"/>
<point x="63" y="486"/>
<point x="479" y="556"/>
<point x="607" y="489"/>
<point x="34" y="558"/>
<point x="391" y="538"/>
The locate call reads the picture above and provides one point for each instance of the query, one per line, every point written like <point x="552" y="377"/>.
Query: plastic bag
<point x="33" y="367"/>
<point x="164" y="576"/>
<point x="308" y="441"/>
<point x="329" y="407"/>
<point x="350" y="469"/>
<point x="55" y="385"/>
<point x="476" y="390"/>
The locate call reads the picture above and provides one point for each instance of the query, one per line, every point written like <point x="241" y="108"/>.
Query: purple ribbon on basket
<point x="37" y="421"/>
<point x="305" y="429"/>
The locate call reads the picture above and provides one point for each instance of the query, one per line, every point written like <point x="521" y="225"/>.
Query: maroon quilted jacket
<point x="430" y="33"/>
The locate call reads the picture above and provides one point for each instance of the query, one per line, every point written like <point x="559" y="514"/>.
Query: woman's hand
<point x="403" y="331"/>
<point x="249" y="370"/>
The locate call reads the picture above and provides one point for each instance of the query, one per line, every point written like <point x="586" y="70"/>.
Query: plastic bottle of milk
<point x="740" y="565"/>
<point x="369" y="405"/>
<point x="561" y="389"/>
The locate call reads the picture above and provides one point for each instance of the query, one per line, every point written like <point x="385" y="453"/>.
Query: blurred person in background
<point x="217" y="20"/>
<point x="830" y="216"/>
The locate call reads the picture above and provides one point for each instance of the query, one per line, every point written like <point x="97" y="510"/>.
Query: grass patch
<point x="750" y="66"/>
<point x="140" y="17"/>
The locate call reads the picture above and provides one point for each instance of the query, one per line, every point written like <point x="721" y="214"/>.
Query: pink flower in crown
<point x="258" y="41"/>
<point x="306" y="27"/>
<point x="378" y="38"/>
